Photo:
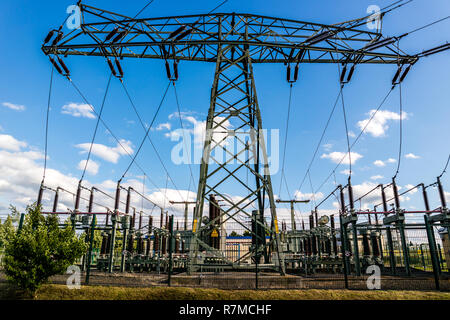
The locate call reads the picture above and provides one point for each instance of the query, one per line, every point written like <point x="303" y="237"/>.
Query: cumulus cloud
<point x="411" y="156"/>
<point x="78" y="110"/>
<point x="379" y="163"/>
<point x="92" y="166"/>
<point x="336" y="157"/>
<point x="110" y="154"/>
<point x="164" y="126"/>
<point x="298" y="195"/>
<point x="378" y="125"/>
<point x="377" y="177"/>
<point x="8" y="142"/>
<point x="13" y="106"/>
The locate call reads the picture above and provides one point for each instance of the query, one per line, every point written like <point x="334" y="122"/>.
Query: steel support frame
<point x="246" y="112"/>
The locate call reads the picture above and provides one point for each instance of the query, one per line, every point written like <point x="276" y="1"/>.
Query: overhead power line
<point x="146" y="134"/>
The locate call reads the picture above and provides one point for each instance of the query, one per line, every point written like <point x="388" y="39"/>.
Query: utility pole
<point x="291" y="202"/>
<point x="186" y="209"/>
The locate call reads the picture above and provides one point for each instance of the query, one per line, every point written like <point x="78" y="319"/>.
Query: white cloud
<point x="328" y="146"/>
<point x="110" y="154"/>
<point x="410" y="186"/>
<point x="411" y="156"/>
<point x="345" y="172"/>
<point x="298" y="195"/>
<point x="78" y="110"/>
<point x="378" y="125"/>
<point x="351" y="134"/>
<point x="378" y="177"/>
<point x="91" y="168"/>
<point x="336" y="157"/>
<point x="164" y="126"/>
<point x="13" y="106"/>
<point x="379" y="163"/>
<point x="8" y="142"/>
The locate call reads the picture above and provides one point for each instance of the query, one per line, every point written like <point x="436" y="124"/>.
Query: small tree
<point x="40" y="250"/>
<point x="7" y="231"/>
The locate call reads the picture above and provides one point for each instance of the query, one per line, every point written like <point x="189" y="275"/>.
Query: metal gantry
<point x="234" y="42"/>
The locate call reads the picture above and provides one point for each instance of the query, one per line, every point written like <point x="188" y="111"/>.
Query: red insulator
<point x="57" y="67"/>
<point x="169" y="75"/>
<point x="184" y="34"/>
<point x="344" y="71"/>
<point x="111" y="66"/>
<point x="57" y="39"/>
<point x="394" y="80"/>
<point x="350" y="74"/>
<point x="119" y="67"/>
<point x="405" y="73"/>
<point x="111" y="34"/>
<point x="119" y="37"/>
<point x="177" y="32"/>
<point x="49" y="36"/>
<point x="63" y="65"/>
<point x="296" y="72"/>
<point x="175" y="70"/>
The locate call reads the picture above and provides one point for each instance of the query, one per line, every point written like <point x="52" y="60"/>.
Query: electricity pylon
<point x="234" y="42"/>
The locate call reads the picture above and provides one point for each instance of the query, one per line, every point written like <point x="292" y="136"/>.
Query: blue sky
<point x="25" y="80"/>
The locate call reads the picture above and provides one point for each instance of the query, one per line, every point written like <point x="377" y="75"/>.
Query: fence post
<point x="114" y="217"/>
<point x="22" y="217"/>
<point x="91" y="244"/>
<point x="171" y="240"/>
<point x="405" y="248"/>
<point x="432" y="245"/>
<point x="344" y="250"/>
<point x="124" y="248"/>
<point x="391" y="250"/>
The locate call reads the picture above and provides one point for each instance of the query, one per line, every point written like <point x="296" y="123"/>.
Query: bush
<point x="7" y="231"/>
<point x="40" y="250"/>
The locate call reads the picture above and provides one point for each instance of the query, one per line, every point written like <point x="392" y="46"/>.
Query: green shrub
<point x="40" y="250"/>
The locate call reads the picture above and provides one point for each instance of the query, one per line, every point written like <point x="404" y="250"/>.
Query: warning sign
<point x="214" y="234"/>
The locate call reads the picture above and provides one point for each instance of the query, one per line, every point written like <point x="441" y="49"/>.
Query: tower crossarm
<point x="198" y="37"/>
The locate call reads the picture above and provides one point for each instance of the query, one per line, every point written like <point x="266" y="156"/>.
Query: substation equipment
<point x="234" y="43"/>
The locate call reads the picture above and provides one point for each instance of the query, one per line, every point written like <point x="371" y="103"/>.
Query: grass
<point x="60" y="292"/>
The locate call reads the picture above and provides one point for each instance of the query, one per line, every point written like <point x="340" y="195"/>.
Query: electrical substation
<point x="199" y="245"/>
